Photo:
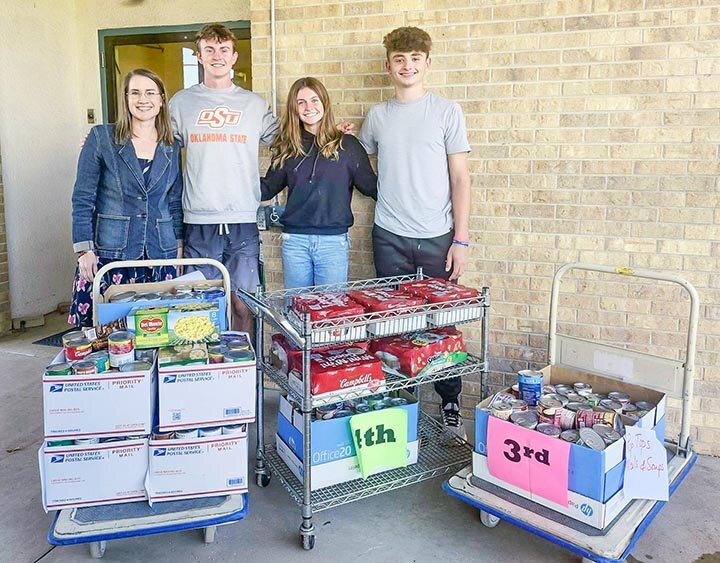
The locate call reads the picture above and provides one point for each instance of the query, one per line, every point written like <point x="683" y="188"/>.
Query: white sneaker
<point x="452" y="420"/>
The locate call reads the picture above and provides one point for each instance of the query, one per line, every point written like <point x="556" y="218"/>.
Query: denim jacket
<point x="114" y="213"/>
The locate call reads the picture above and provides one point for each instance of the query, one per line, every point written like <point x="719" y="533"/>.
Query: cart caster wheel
<point x="488" y="519"/>
<point x="262" y="480"/>
<point x="97" y="549"/>
<point x="308" y="542"/>
<point x="209" y="534"/>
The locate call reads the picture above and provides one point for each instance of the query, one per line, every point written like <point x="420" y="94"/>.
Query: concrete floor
<point x="415" y="524"/>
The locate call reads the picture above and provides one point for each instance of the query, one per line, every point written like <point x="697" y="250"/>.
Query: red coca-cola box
<point x="421" y="353"/>
<point x="341" y="369"/>
<point x="381" y="299"/>
<point x="326" y="305"/>
<point x="437" y="290"/>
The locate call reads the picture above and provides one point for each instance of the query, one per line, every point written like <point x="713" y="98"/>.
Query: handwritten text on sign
<point x="646" y="473"/>
<point x="529" y="460"/>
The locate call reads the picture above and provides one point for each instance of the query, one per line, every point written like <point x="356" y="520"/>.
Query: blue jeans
<point x="314" y="259"/>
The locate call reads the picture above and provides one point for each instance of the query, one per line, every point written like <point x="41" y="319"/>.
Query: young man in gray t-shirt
<point x="423" y="207"/>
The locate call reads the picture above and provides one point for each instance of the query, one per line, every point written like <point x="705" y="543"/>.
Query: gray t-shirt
<point x="221" y="130"/>
<point x="412" y="141"/>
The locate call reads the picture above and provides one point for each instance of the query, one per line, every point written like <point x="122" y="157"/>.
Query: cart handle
<point x="254" y="303"/>
<point x="689" y="364"/>
<point x="158" y="263"/>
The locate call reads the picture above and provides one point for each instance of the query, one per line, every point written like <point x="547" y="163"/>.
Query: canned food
<point x="526" y="419"/>
<point x="619" y="397"/>
<point x="61" y="368"/>
<point x="163" y="435"/>
<point x="380" y="405"/>
<point x="549" y="415"/>
<point x="84" y="367"/>
<point x="548" y="389"/>
<point x="550" y="402"/>
<point x="238" y="345"/>
<point x="186" y="434"/>
<point x="112" y="439"/>
<point x="239" y="356"/>
<point x="206" y="432"/>
<point x="145" y="355"/>
<point x="593" y="399"/>
<point x="149" y="296"/>
<point x="518" y="405"/>
<point x="362" y="408"/>
<point x="549" y="429"/>
<point x="216" y="353"/>
<point x="645" y="406"/>
<point x="136" y="366"/>
<point x="502" y="410"/>
<point x="72" y="335"/>
<point x="558" y="397"/>
<point x="343" y="413"/>
<point x="101" y="360"/>
<point x="86" y="441"/>
<point x="567" y="417"/>
<point x="124" y="297"/>
<point x="575" y="398"/>
<point x="592" y="439"/>
<point x="58" y="443"/>
<point x="611" y="405"/>
<point x="212" y="294"/>
<point x="234" y="429"/>
<point x="78" y="348"/>
<point x="563" y="390"/>
<point x="515" y="389"/>
<point x="582" y="386"/>
<point x="588" y="418"/>
<point x="398" y="401"/>
<point x="607" y="433"/>
<point x="121" y="348"/>
<point x="530" y="385"/>
<point x="570" y="435"/>
<point x="326" y="412"/>
<point x="376" y="398"/>
<point x="629" y="409"/>
<point x="499" y="397"/>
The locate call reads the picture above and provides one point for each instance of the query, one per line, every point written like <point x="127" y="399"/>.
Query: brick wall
<point x="5" y="317"/>
<point x="594" y="130"/>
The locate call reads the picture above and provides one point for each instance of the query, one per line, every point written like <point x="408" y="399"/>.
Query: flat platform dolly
<point x="614" y="543"/>
<point x="96" y="525"/>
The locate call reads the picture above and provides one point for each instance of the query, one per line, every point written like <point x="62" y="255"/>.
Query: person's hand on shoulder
<point x="87" y="265"/>
<point x="347" y="127"/>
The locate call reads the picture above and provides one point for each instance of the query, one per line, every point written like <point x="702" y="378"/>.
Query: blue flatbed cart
<point x="96" y="525"/>
<point x="614" y="543"/>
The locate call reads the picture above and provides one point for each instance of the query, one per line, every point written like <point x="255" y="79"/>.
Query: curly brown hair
<point x="406" y="40"/>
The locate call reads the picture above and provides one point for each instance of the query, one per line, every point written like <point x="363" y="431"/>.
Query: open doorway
<point x="170" y="52"/>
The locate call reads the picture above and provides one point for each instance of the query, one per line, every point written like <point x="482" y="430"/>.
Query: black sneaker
<point x="452" y="419"/>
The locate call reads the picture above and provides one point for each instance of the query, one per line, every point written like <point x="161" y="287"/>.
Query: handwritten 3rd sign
<point x="529" y="460"/>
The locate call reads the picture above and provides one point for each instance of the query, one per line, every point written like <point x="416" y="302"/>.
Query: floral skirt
<point x="80" y="313"/>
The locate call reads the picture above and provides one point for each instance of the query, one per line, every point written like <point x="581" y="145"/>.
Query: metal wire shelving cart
<point x="440" y="451"/>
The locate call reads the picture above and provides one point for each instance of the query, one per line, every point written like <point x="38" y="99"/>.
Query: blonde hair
<point x="288" y="143"/>
<point x="123" y="126"/>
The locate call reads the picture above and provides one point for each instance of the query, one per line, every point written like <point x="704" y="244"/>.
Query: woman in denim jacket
<point x="126" y="204"/>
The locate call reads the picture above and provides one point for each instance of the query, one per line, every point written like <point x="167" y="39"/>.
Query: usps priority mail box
<point x="198" y="467"/>
<point x="111" y="403"/>
<point x="107" y="473"/>
<point x="195" y="395"/>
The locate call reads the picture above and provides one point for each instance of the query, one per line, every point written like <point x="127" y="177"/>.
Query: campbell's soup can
<point x="77" y="348"/>
<point x="72" y="335"/>
<point x="530" y="386"/>
<point x="121" y="348"/>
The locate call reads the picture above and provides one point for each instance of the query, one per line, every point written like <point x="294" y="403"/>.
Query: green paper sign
<point x="380" y="439"/>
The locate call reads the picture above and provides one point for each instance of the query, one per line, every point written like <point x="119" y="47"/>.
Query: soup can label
<point x="77" y="349"/>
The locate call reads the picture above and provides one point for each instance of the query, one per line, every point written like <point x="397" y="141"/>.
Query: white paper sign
<point x="646" y="475"/>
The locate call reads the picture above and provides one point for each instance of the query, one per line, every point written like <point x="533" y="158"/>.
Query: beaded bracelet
<point x="458" y="242"/>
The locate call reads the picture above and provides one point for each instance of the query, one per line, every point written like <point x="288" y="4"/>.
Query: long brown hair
<point x="288" y="143"/>
<point x="123" y="126"/>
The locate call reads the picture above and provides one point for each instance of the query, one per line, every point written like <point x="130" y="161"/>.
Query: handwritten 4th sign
<point x="529" y="460"/>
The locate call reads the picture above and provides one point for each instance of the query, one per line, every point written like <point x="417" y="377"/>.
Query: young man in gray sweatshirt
<point x="221" y="127"/>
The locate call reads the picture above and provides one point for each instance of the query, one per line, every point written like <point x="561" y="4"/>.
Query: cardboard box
<point x="109" y="473"/>
<point x="195" y="396"/>
<point x="105" y="404"/>
<point x="334" y="472"/>
<point x="593" y="474"/>
<point x="585" y="509"/>
<point x="198" y="467"/>
<point x="331" y="439"/>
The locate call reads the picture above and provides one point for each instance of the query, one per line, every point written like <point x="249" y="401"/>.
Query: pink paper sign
<point x="529" y="460"/>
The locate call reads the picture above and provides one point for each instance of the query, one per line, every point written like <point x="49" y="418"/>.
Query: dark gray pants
<point x="396" y="255"/>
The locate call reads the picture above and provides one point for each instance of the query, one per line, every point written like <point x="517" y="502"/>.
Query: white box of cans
<point x="195" y="396"/>
<point x="198" y="467"/>
<point x="95" y="474"/>
<point x="111" y="403"/>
